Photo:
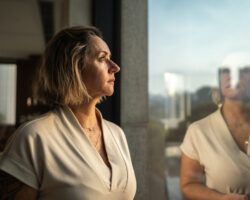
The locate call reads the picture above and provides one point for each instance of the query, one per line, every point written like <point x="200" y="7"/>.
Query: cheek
<point x="90" y="76"/>
<point x="224" y="80"/>
<point x="99" y="82"/>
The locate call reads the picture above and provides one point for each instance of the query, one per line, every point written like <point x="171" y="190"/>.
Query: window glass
<point x="8" y="94"/>
<point x="191" y="43"/>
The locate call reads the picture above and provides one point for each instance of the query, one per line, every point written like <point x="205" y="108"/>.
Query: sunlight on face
<point x="99" y="74"/>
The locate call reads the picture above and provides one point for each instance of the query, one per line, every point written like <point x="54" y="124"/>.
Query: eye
<point x="102" y="58"/>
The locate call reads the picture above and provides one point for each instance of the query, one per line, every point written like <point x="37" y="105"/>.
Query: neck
<point x="236" y="110"/>
<point x="86" y="113"/>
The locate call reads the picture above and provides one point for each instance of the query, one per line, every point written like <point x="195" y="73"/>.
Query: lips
<point x="111" y="80"/>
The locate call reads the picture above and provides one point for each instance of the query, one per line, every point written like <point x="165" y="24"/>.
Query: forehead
<point x="99" y="45"/>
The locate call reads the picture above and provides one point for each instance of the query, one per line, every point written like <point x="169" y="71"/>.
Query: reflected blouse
<point x="227" y="168"/>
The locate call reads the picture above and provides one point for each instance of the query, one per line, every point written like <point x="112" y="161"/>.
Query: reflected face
<point x="100" y="70"/>
<point x="241" y="91"/>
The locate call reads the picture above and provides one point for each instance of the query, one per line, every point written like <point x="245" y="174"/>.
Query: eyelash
<point x="104" y="58"/>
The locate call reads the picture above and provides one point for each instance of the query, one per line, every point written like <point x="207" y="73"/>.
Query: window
<point x="8" y="94"/>
<point x="189" y="41"/>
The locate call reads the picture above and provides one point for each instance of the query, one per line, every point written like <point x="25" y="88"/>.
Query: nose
<point x="113" y="67"/>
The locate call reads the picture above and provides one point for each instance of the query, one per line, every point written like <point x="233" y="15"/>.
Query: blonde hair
<point x="59" y="79"/>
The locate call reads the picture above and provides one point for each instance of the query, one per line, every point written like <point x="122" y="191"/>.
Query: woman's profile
<point x="71" y="152"/>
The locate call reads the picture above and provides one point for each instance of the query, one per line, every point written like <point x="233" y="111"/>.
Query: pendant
<point x="89" y="129"/>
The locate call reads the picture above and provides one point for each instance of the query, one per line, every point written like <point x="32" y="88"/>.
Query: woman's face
<point x="241" y="91"/>
<point x="100" y="70"/>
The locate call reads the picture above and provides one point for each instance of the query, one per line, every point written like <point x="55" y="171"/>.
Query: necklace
<point x="91" y="134"/>
<point x="90" y="129"/>
<point x="98" y="139"/>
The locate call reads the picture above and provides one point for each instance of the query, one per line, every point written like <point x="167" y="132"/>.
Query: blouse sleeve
<point x="21" y="157"/>
<point x="189" y="144"/>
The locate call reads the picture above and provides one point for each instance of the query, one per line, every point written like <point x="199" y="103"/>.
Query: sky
<point x="192" y="38"/>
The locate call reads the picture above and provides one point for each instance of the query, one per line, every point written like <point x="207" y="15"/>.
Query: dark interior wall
<point x="46" y="9"/>
<point x="26" y="106"/>
<point x="107" y="17"/>
<point x="27" y="69"/>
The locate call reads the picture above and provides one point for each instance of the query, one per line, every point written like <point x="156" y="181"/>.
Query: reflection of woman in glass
<point x="71" y="152"/>
<point x="218" y="147"/>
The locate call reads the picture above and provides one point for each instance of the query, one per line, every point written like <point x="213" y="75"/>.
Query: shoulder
<point x="205" y="124"/>
<point x="35" y="128"/>
<point x="38" y="124"/>
<point x="203" y="130"/>
<point x="198" y="136"/>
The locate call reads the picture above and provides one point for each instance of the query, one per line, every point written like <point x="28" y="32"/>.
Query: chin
<point x="110" y="94"/>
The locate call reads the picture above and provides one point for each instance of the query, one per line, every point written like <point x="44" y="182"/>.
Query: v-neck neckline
<point x="229" y="138"/>
<point x="93" y="149"/>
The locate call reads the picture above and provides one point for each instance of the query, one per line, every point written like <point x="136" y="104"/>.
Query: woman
<point x="71" y="152"/>
<point x="215" y="163"/>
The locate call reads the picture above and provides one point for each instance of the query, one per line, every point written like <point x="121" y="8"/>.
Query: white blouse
<point x="53" y="155"/>
<point x="227" y="168"/>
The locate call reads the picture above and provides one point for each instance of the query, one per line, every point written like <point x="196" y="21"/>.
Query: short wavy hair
<point x="59" y="80"/>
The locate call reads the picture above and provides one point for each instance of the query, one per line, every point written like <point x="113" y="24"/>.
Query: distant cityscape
<point x="177" y="104"/>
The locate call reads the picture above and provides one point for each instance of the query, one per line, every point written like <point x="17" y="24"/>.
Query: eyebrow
<point x="105" y="52"/>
